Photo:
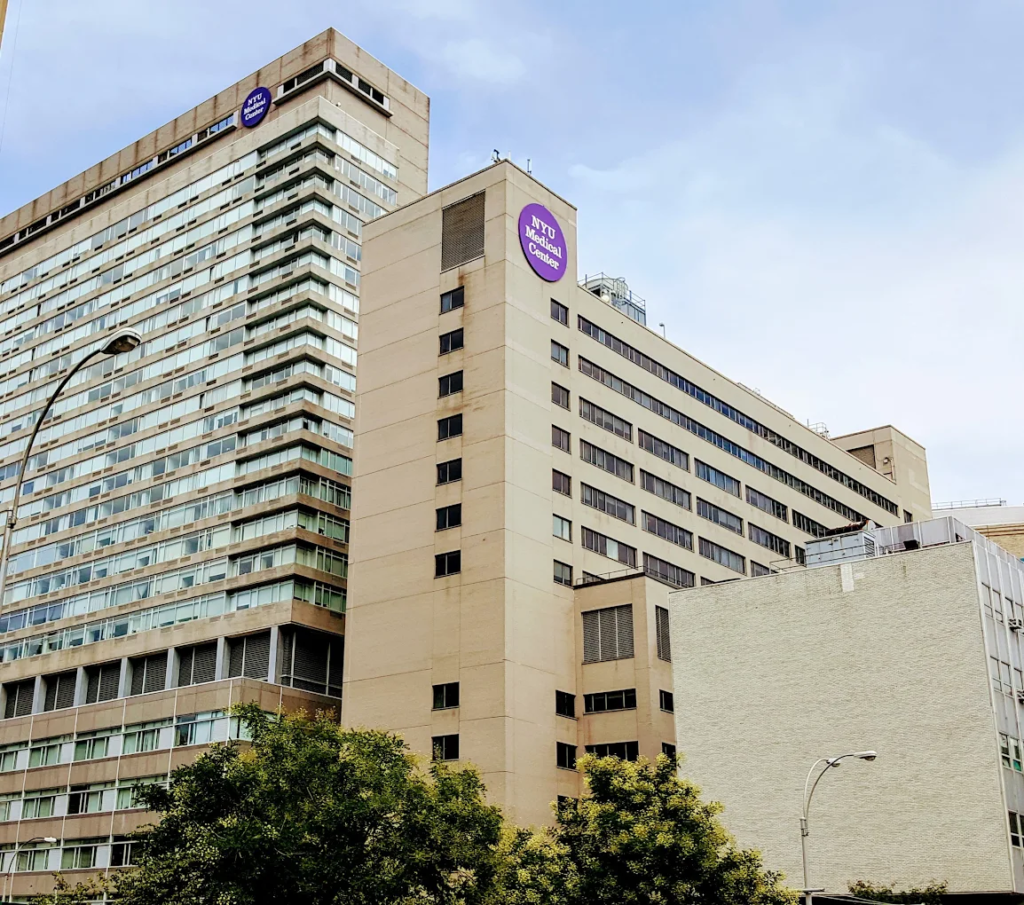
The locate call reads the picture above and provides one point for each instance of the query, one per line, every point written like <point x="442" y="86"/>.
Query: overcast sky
<point x="822" y="199"/>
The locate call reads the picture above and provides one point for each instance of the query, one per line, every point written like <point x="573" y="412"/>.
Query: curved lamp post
<point x="809" y="788"/>
<point x="51" y="840"/>
<point x="124" y="341"/>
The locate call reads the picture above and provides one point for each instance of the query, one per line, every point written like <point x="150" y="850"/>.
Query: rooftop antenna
<point x="529" y="166"/>
<point x="495" y="155"/>
<point x="664" y="336"/>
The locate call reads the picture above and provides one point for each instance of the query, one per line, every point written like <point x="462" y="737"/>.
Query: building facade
<point x="535" y="469"/>
<point x="182" y="540"/>
<point x="904" y="640"/>
<point x="992" y="518"/>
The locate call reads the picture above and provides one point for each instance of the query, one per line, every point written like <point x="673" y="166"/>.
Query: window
<point x="767" y="504"/>
<point x="559" y="395"/>
<point x="445" y="747"/>
<point x="562" y="573"/>
<point x="89" y="799"/>
<point x="560" y="354"/>
<point x="450" y="342"/>
<point x="722" y="556"/>
<point x="800" y="555"/>
<point x="46" y="753"/>
<point x="565" y="756"/>
<point x="145" y="736"/>
<point x="605" y="502"/>
<point x="622" y="750"/>
<point x="39" y="804"/>
<point x="447" y="563"/>
<point x="91" y="745"/>
<point x="449" y="472"/>
<point x="561" y="527"/>
<point x="719" y="516"/>
<point x="719" y="478"/>
<point x="666" y="700"/>
<point x="561" y="483"/>
<point x="757" y="570"/>
<point x="766" y="539"/>
<point x="560" y="439"/>
<point x="446" y="696"/>
<point x="908" y="516"/>
<point x="662" y="632"/>
<point x="121" y="852"/>
<point x="667" y="573"/>
<point x="449" y="517"/>
<point x="663" y="450"/>
<point x="603" y="701"/>
<point x="668" y="749"/>
<point x="608" y="634"/>
<point x="456" y="298"/>
<point x="605" y="419"/>
<point x="666" y="530"/>
<point x="449" y="427"/>
<point x="704" y="582"/>
<point x="565" y="704"/>
<point x="1016" y="829"/>
<point x="675" y="495"/>
<point x="450" y="383"/>
<point x="808" y="525"/>
<point x="1009" y="748"/>
<point x="606" y="546"/>
<point x="606" y="461"/>
<point x="559" y="313"/>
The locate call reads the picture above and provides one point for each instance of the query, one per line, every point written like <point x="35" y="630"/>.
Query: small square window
<point x="563" y="573"/>
<point x="561" y="527"/>
<point x="559" y="313"/>
<point x="565" y="756"/>
<point x="449" y="427"/>
<point x="446" y="747"/>
<point x="560" y="354"/>
<point x="565" y="704"/>
<point x="559" y="438"/>
<point x="447" y="563"/>
<point x="559" y="395"/>
<point x="450" y="383"/>
<point x="561" y="483"/>
<point x="449" y="472"/>
<point x="667" y="702"/>
<point x="452" y="300"/>
<point x="450" y="342"/>
<point x="446" y="696"/>
<point x="668" y="750"/>
<point x="449" y="517"/>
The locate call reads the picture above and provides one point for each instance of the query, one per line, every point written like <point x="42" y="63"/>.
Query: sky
<point x="822" y="200"/>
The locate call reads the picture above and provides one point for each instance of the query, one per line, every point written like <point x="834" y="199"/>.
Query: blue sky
<point x="823" y="200"/>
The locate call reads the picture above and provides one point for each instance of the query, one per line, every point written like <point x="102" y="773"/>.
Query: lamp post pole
<point x="124" y="341"/>
<point x="8" y="884"/>
<point x="809" y="788"/>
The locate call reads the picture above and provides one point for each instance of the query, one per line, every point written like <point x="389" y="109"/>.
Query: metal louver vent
<point x="19" y="699"/>
<point x="312" y="661"/>
<point x="661" y="627"/>
<point x="60" y="691"/>
<point x="608" y="634"/>
<point x="156" y="672"/>
<point x="103" y="683"/>
<point x="250" y="657"/>
<point x="462" y="232"/>
<point x="204" y="663"/>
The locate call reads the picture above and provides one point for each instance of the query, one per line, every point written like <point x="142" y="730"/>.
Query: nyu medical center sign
<point x="542" y="241"/>
<point x="256" y="106"/>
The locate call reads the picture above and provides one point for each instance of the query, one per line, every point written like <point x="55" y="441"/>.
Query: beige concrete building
<point x="993" y="518"/>
<point x="534" y="470"/>
<point x="182" y="541"/>
<point x="903" y="640"/>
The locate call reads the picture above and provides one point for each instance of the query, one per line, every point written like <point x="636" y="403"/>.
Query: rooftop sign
<point x="542" y="241"/>
<point x="256" y="106"/>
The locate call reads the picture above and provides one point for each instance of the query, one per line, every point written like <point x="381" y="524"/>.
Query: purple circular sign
<point x="256" y="106"/>
<point x="543" y="242"/>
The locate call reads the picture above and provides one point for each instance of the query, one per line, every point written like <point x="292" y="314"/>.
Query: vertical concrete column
<point x="81" y="686"/>
<point x="172" y="668"/>
<point x="275" y="644"/>
<point x="221" y="669"/>
<point x="38" y="695"/>
<point x="124" y="682"/>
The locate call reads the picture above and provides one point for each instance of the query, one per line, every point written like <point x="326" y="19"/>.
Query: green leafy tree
<point x="922" y="895"/>
<point x="313" y="813"/>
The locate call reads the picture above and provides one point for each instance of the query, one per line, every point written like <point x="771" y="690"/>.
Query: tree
<point x="932" y="894"/>
<point x="643" y="835"/>
<point x="313" y="813"/>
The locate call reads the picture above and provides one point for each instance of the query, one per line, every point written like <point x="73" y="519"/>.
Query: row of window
<point x="71" y="854"/>
<point x="565" y="754"/>
<point x="70" y="801"/>
<point x="446" y="697"/>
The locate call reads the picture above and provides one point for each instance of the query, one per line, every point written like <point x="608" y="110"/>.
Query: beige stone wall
<point x="898" y="457"/>
<point x="888" y="654"/>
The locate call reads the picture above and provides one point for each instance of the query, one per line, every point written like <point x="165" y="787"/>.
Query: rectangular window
<point x="450" y="383"/>
<point x="559" y="396"/>
<point x="1016" y="828"/>
<point x="606" y="546"/>
<point x="808" y="525"/>
<point x="908" y="516"/>
<point x="606" y="461"/>
<point x="560" y="354"/>
<point x="719" y="478"/>
<point x="605" y="419"/>
<point x="662" y="632"/>
<point x="603" y="701"/>
<point x="668" y="749"/>
<point x="623" y="750"/>
<point x="565" y="704"/>
<point x="446" y="696"/>
<point x="605" y="502"/>
<point x="445" y="747"/>
<point x="667" y="573"/>
<point x="447" y="563"/>
<point x="719" y="516"/>
<point x="665" y="490"/>
<point x="722" y="556"/>
<point x="757" y="570"/>
<point x="560" y="439"/>
<point x="449" y="517"/>
<point x="449" y="472"/>
<point x="565" y="756"/>
<point x="561" y="527"/>
<point x="663" y="450"/>
<point x="450" y="342"/>
<point x="767" y="504"/>
<point x="766" y="539"/>
<point x="449" y="427"/>
<point x="608" y="634"/>
<point x="562" y="573"/>
<point x="561" y="483"/>
<point x="800" y="555"/>
<point x="452" y="300"/>
<point x="666" y="701"/>
<point x="559" y="313"/>
<point x="666" y="530"/>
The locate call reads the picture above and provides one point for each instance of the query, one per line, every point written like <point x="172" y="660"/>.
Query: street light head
<point x="50" y="840"/>
<point x="867" y="755"/>
<point x="124" y="341"/>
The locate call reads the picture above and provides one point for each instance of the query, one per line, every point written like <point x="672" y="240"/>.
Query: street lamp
<point x="829" y="762"/>
<point x="124" y="341"/>
<point x="8" y="886"/>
